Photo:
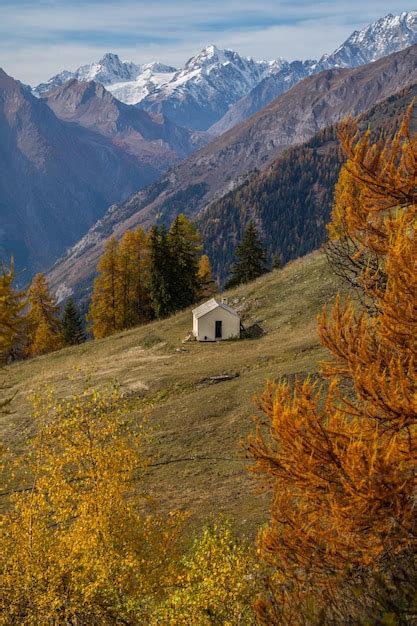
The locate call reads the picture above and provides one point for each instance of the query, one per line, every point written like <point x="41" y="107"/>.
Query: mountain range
<point x="66" y="157"/>
<point x="216" y="89"/>
<point x="192" y="186"/>
<point x="78" y="164"/>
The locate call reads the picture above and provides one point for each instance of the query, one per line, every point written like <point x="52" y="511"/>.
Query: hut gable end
<point x="214" y="321"/>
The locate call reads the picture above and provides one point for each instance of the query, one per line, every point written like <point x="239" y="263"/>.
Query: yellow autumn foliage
<point x="11" y="312"/>
<point x="80" y="545"/>
<point x="44" y="328"/>
<point x="216" y="585"/>
<point x="208" y="286"/>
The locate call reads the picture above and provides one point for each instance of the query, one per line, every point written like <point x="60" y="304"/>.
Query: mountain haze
<point x="153" y="139"/>
<point x="58" y="176"/>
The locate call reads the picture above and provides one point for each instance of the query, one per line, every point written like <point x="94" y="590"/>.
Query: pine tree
<point x="277" y="262"/>
<point x="208" y="285"/>
<point x="134" y="278"/>
<point x="250" y="256"/>
<point x="185" y="244"/>
<point x="161" y="275"/>
<point x="44" y="328"/>
<point x="341" y="458"/>
<point x="105" y="312"/>
<point x="72" y="325"/>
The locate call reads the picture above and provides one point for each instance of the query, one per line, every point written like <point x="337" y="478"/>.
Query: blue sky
<point x="39" y="38"/>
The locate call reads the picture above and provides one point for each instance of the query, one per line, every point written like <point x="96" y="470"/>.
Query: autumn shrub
<point x="79" y="544"/>
<point x="217" y="582"/>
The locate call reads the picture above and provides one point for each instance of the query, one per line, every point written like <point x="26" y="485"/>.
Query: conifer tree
<point x="208" y="285"/>
<point x="105" y="312"/>
<point x="277" y="262"/>
<point x="44" y="328"/>
<point x="134" y="278"/>
<point x="251" y="258"/>
<point x="358" y="235"/>
<point x="341" y="459"/>
<point x="185" y="244"/>
<point x="12" y="320"/>
<point x="161" y="274"/>
<point x="72" y="325"/>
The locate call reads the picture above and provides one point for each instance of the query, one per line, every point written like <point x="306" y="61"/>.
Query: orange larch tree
<point x="340" y="458"/>
<point x="105" y="308"/>
<point x="43" y="319"/>
<point x="134" y="265"/>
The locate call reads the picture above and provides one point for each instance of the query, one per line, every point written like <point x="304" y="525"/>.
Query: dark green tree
<point x="185" y="245"/>
<point x="276" y="262"/>
<point x="72" y="325"/>
<point x="161" y="273"/>
<point x="250" y="258"/>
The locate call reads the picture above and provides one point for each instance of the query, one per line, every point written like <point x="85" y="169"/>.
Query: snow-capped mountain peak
<point x="158" y="68"/>
<point x="206" y="86"/>
<point x="211" y="83"/>
<point x="128" y="82"/>
<point x="108" y="70"/>
<point x="387" y="35"/>
<point x="210" y="55"/>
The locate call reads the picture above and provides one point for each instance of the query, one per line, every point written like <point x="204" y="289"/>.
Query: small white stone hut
<point x="214" y="321"/>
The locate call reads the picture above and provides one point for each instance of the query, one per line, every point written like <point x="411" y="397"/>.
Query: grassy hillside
<point x="197" y="426"/>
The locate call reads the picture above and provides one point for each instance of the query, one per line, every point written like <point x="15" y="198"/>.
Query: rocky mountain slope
<point x="58" y="177"/>
<point x="153" y="139"/>
<point x="194" y="96"/>
<point x="219" y="88"/>
<point x="385" y="36"/>
<point x="295" y="117"/>
<point x="201" y="93"/>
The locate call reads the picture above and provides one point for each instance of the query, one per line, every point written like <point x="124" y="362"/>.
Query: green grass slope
<point x="198" y="462"/>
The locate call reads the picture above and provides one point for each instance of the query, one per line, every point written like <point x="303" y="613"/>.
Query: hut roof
<point x="210" y="305"/>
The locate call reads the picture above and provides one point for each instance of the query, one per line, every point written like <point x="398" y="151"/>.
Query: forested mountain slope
<point x="291" y="201"/>
<point x="295" y="117"/>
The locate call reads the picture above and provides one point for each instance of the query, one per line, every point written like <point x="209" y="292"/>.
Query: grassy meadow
<point x="197" y="427"/>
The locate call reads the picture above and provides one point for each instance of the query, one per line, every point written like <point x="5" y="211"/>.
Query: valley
<point x="197" y="185"/>
<point x="208" y="314"/>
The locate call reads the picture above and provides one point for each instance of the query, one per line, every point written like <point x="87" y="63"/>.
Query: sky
<point x="39" y="38"/>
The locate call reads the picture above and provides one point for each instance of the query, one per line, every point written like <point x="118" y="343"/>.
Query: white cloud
<point x="41" y="38"/>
